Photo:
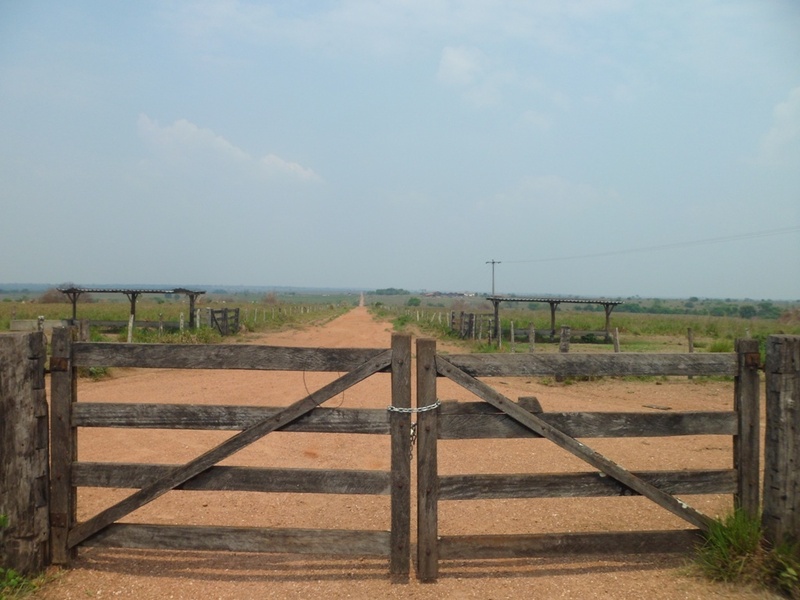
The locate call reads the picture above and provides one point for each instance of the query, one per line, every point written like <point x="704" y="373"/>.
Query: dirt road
<point x="104" y="573"/>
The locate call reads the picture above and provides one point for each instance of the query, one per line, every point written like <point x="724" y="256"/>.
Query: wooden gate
<point x="224" y="320"/>
<point x="69" y="415"/>
<point x="500" y="417"/>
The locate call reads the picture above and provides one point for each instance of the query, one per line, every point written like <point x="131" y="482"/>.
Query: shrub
<point x="735" y="551"/>
<point x="721" y="345"/>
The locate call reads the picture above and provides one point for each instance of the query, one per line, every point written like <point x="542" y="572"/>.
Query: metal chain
<point x="413" y="432"/>
<point x="416" y="409"/>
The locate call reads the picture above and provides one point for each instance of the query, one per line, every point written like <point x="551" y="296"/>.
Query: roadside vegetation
<point x="660" y="328"/>
<point x="735" y="551"/>
<point x="14" y="585"/>
<point x="257" y="312"/>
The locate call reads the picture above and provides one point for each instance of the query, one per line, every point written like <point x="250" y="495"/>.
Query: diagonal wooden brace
<point x="582" y="451"/>
<point x="230" y="446"/>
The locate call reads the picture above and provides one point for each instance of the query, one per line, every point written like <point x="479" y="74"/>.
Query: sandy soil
<point x="103" y="573"/>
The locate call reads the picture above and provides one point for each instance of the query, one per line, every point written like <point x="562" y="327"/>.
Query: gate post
<point x="400" y="425"/>
<point x="746" y="442"/>
<point x="63" y="382"/>
<point x="781" y="517"/>
<point x="427" y="466"/>
<point x="24" y="458"/>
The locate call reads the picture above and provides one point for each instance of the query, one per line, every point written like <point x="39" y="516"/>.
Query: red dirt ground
<point x="105" y="573"/>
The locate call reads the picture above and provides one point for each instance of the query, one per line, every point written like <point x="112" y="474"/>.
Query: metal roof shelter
<point x="74" y="293"/>
<point x="608" y="306"/>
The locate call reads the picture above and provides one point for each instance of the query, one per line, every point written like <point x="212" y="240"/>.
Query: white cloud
<point x="780" y="146"/>
<point x="461" y="65"/>
<point x="185" y="143"/>
<point x="469" y="70"/>
<point x="276" y="164"/>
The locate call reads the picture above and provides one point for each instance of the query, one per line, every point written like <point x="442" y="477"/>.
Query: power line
<point x="718" y="240"/>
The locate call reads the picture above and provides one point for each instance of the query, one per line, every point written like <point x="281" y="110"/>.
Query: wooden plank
<point x="221" y="356"/>
<point x="427" y="464"/>
<point x="63" y="444"/>
<point x="611" y="364"/>
<point x="24" y="454"/>
<point x="222" y="417"/>
<point x="240" y="479"/>
<point x="400" y="545"/>
<point x="579" y="449"/>
<point x="781" y="518"/>
<point x="747" y="438"/>
<point x="571" y="485"/>
<point x="222" y="451"/>
<point x="243" y="539"/>
<point x="546" y="545"/>
<point x="475" y="420"/>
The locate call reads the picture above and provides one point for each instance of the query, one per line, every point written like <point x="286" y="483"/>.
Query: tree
<point x="747" y="311"/>
<point x="413" y="302"/>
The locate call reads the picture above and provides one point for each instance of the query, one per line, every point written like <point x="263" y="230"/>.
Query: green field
<point x="644" y="325"/>
<point x="257" y="312"/>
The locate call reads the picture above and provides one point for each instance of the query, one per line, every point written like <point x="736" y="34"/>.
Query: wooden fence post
<point x="24" y="457"/>
<point x="531" y="337"/>
<point x="427" y="465"/>
<point x="63" y="393"/>
<point x="563" y="345"/>
<point x="781" y="516"/>
<point x="400" y="424"/>
<point x="746" y="443"/>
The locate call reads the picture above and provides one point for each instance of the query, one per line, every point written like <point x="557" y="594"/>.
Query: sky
<point x="597" y="148"/>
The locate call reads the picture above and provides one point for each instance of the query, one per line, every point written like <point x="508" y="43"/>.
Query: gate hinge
<point x="752" y="360"/>
<point x="59" y="363"/>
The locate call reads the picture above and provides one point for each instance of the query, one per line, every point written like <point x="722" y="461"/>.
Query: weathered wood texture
<point x="579" y="449"/>
<point x="219" y="417"/>
<point x="472" y="420"/>
<point x="527" y="546"/>
<point x="427" y="465"/>
<point x="63" y="444"/>
<point x="221" y="356"/>
<point x="400" y="543"/>
<point x="203" y="473"/>
<point x="236" y="479"/>
<point x="781" y="517"/>
<point x="230" y="446"/>
<point x="244" y="539"/>
<point x="575" y="365"/>
<point x="501" y="417"/>
<point x="24" y="453"/>
<point x="747" y="439"/>
<point x="571" y="485"/>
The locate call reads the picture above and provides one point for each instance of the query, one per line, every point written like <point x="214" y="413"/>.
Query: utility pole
<point x="493" y="262"/>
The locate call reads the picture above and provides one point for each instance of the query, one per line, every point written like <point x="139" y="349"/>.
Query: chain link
<point x="415" y="409"/>
<point x="413" y="441"/>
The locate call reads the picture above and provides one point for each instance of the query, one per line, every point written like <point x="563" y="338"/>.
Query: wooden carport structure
<point x="608" y="306"/>
<point x="133" y="294"/>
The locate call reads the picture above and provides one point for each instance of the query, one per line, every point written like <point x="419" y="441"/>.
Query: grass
<point x="735" y="551"/>
<point x="261" y="314"/>
<point x="638" y="332"/>
<point x="14" y="585"/>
